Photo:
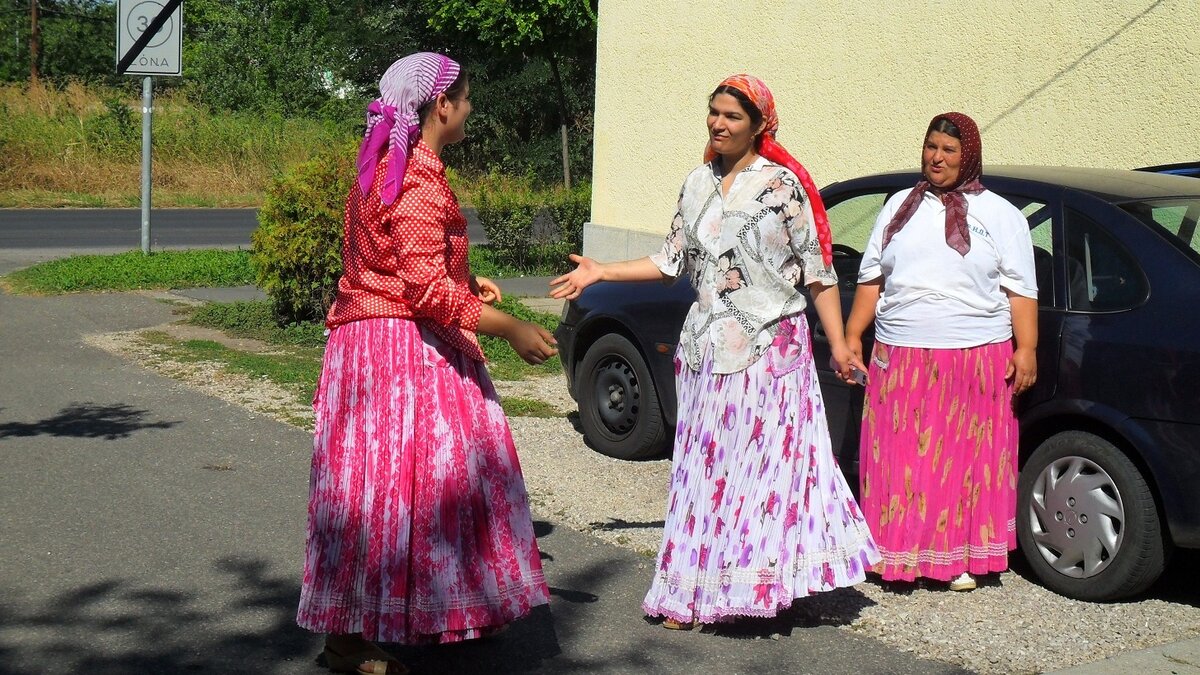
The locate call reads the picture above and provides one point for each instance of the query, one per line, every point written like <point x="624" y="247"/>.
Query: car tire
<point x="1087" y="521"/>
<point x="618" y="404"/>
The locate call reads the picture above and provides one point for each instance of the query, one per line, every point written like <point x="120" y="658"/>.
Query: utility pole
<point x="35" y="41"/>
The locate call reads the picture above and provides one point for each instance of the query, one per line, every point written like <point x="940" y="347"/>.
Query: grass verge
<point x="134" y="271"/>
<point x="255" y="320"/>
<point x="299" y="362"/>
<point x="295" y="370"/>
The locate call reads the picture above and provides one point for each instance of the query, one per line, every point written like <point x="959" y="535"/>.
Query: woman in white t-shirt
<point x="948" y="278"/>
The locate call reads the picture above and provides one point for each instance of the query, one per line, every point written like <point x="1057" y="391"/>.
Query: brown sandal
<point x="369" y="660"/>
<point x="672" y="624"/>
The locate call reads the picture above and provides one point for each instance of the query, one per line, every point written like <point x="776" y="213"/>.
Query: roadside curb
<point x="1173" y="658"/>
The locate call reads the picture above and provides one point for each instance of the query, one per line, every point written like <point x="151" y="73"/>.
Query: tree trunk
<point x="35" y="41"/>
<point x="562" y="119"/>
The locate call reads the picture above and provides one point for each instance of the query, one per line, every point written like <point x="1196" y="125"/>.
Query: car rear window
<point x="1177" y="216"/>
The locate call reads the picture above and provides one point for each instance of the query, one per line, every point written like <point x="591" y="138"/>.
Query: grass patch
<point x="201" y="158"/>
<point x="255" y="320"/>
<point x="517" y="406"/>
<point x="135" y="271"/>
<point x="296" y="370"/>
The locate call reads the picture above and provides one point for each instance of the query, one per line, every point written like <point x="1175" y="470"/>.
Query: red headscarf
<point x="756" y="90"/>
<point x="958" y="235"/>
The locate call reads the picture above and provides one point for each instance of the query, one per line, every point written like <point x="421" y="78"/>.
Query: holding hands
<point x="847" y="357"/>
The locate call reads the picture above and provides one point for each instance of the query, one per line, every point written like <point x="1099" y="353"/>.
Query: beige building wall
<point x="1067" y="82"/>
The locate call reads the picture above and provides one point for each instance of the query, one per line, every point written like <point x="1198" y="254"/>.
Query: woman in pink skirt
<point x="948" y="279"/>
<point x="419" y="529"/>
<point x="759" y="513"/>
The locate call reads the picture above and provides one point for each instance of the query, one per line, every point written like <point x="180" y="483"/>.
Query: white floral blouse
<point x="748" y="255"/>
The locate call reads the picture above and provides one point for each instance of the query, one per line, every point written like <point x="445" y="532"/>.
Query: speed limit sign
<point x="150" y="37"/>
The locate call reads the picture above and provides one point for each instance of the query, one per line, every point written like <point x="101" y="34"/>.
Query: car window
<point x="1040" y="219"/>
<point x="1102" y="275"/>
<point x="851" y="220"/>
<point x="1040" y="230"/>
<point x="1177" y="216"/>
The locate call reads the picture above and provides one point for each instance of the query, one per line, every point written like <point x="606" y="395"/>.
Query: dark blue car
<point x="1110" y="434"/>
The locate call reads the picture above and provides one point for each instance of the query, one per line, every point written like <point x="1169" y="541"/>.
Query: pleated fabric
<point x="419" y="528"/>
<point x="759" y="513"/>
<point x="939" y="461"/>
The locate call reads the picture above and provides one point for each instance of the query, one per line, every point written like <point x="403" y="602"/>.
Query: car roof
<point x="1112" y="185"/>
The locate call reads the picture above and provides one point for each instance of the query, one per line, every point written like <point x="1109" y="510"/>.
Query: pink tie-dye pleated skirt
<point x="939" y="460"/>
<point x="419" y="528"/>
<point x="758" y="514"/>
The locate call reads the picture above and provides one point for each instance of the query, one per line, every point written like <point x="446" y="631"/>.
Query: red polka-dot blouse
<point x="409" y="260"/>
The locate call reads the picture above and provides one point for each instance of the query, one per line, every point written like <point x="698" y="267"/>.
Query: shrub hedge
<point x="533" y="229"/>
<point x="296" y="250"/>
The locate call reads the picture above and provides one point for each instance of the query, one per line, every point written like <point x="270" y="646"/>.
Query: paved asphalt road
<point x="87" y="230"/>
<point x="151" y="528"/>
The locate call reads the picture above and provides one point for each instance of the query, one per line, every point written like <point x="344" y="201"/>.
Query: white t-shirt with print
<point x="934" y="297"/>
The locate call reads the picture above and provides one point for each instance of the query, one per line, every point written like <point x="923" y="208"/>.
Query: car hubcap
<point x="617" y="395"/>
<point x="1077" y="517"/>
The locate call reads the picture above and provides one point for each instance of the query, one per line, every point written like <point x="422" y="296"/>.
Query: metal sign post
<point x="149" y="42"/>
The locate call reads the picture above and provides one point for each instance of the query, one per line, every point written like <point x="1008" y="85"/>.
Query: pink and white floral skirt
<point x="419" y="528"/>
<point x="759" y="513"/>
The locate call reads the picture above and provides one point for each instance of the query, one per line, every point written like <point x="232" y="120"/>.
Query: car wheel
<point x="618" y="405"/>
<point x="1087" y="521"/>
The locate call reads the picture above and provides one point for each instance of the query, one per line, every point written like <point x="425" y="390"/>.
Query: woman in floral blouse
<point x="419" y="529"/>
<point x="759" y="513"/>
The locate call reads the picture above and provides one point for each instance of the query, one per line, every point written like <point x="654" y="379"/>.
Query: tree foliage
<point x="260" y="55"/>
<point x="323" y="60"/>
<point x="561" y="33"/>
<point x="544" y="27"/>
<point x="76" y="40"/>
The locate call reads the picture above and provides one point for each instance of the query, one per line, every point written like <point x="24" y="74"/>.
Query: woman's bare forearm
<point x="639" y="269"/>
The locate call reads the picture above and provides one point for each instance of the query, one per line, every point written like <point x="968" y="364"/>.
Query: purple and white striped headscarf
<point x="392" y="121"/>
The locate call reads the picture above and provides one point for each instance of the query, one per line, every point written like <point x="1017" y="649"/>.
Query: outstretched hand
<point x="571" y="284"/>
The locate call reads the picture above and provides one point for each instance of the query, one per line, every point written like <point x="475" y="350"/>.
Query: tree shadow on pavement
<point x="120" y="626"/>
<point x="87" y="420"/>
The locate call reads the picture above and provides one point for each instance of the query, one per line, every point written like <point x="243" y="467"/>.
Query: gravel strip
<point x="1008" y="625"/>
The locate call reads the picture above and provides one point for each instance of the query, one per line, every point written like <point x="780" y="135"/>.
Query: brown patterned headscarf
<point x="970" y="168"/>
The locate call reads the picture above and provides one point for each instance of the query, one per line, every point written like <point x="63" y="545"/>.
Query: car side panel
<point x="650" y="314"/>
<point x="1175" y="463"/>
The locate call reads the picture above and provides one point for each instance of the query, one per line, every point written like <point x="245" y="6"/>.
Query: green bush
<point x="296" y="250"/>
<point x="532" y="229"/>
